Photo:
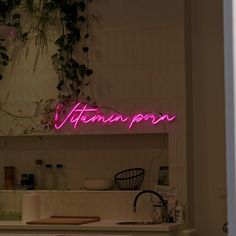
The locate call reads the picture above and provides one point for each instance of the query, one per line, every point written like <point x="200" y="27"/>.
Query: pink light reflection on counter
<point x="85" y="113"/>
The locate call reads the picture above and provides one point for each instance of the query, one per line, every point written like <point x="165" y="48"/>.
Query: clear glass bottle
<point x="179" y="213"/>
<point x="39" y="175"/>
<point x="60" y="177"/>
<point x="157" y="213"/>
<point x="49" y="182"/>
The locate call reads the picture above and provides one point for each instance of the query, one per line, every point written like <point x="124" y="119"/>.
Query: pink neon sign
<point x="85" y="113"/>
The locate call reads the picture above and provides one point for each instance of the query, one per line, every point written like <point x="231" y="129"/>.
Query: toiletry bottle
<point x="60" y="177"/>
<point x="39" y="175"/>
<point x="171" y="209"/>
<point x="157" y="213"/>
<point x="179" y="213"/>
<point x="49" y="182"/>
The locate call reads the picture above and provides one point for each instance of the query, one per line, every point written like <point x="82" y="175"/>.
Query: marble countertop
<point x="103" y="225"/>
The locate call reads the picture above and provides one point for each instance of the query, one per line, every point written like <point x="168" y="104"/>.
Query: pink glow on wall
<point x="85" y="113"/>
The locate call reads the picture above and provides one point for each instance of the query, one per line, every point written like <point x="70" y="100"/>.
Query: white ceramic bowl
<point x="98" y="184"/>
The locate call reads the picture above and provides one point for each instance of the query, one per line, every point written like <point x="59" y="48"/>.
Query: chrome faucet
<point x="164" y="204"/>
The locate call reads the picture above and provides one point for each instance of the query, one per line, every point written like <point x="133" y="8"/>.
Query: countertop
<point x="103" y="225"/>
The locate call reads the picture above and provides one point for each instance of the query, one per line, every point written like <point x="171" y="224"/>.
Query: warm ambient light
<point x="7" y="31"/>
<point x="85" y="113"/>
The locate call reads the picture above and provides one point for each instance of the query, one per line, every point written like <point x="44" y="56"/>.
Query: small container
<point x="30" y="180"/>
<point x="171" y="207"/>
<point x="157" y="213"/>
<point x="130" y="179"/>
<point x="60" y="177"/>
<point x="179" y="213"/>
<point x="24" y="180"/>
<point x="39" y="175"/>
<point x="27" y="181"/>
<point x="164" y="176"/>
<point x="9" y="177"/>
<point x="49" y="177"/>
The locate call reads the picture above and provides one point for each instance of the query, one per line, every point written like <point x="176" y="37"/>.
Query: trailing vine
<point x="72" y="20"/>
<point x="44" y="14"/>
<point x="6" y="8"/>
<point x="71" y="70"/>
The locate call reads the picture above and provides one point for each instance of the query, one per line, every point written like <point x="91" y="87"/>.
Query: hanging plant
<point x="75" y="24"/>
<point x="75" y="28"/>
<point x="6" y="8"/>
<point x="4" y="59"/>
<point x="72" y="20"/>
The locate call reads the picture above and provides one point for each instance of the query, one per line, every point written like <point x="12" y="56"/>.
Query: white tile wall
<point x="87" y="156"/>
<point x="109" y="205"/>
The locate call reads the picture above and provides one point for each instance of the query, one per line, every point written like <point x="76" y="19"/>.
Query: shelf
<point x="70" y="191"/>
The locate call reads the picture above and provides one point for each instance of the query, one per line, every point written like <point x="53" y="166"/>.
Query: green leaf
<point x="81" y="19"/>
<point x="16" y="25"/>
<point x="16" y="16"/>
<point x="50" y="6"/>
<point x="65" y="8"/>
<point x="25" y="35"/>
<point x="2" y="48"/>
<point x="74" y="63"/>
<point x="69" y="25"/>
<point x="4" y="63"/>
<point x="54" y="55"/>
<point x="59" y="87"/>
<point x="82" y="5"/>
<point x="82" y="70"/>
<point x="60" y="41"/>
<point x="71" y="38"/>
<point x="89" y="72"/>
<point x="4" y="56"/>
<point x="61" y="58"/>
<point x="85" y="49"/>
<point x="76" y="32"/>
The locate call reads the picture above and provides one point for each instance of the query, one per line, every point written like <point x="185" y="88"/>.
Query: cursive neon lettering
<point x="83" y="113"/>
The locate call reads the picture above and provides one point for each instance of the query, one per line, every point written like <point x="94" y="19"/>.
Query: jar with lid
<point x="9" y="176"/>
<point x="49" y="177"/>
<point x="39" y="175"/>
<point x="60" y="177"/>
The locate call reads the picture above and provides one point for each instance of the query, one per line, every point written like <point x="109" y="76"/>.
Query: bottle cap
<point x="48" y="166"/>
<point x="59" y="165"/>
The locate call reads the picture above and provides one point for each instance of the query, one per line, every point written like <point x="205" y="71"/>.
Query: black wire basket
<point x="130" y="179"/>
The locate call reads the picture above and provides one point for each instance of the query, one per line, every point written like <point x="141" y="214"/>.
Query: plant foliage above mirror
<point x="67" y="24"/>
<point x="72" y="20"/>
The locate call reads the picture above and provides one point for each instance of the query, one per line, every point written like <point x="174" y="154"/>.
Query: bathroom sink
<point x="137" y="223"/>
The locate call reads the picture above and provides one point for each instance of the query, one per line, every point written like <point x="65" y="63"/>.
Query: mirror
<point x="113" y="65"/>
